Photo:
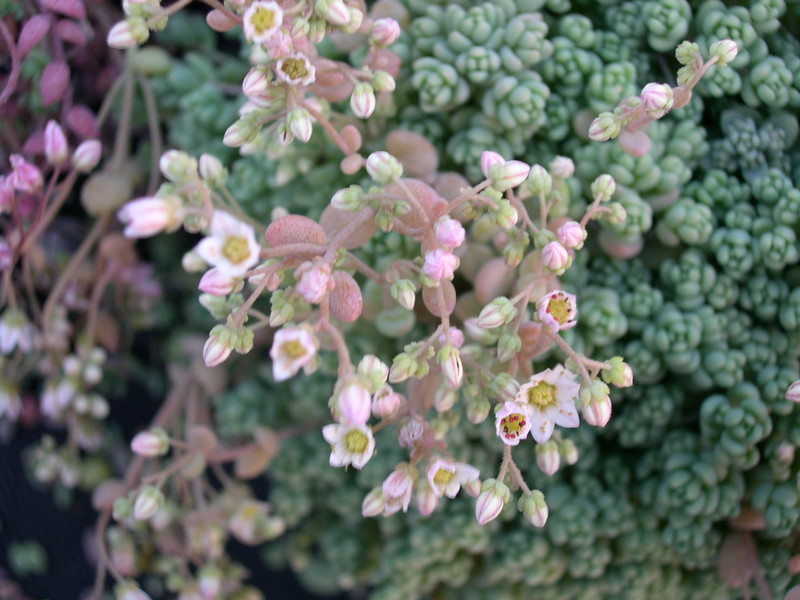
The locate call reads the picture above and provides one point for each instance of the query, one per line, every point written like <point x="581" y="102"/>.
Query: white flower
<point x="512" y="422"/>
<point x="446" y="477"/>
<point x="16" y="332"/>
<point x="10" y="403"/>
<point x="292" y="349"/>
<point x="397" y="489"/>
<point x="550" y="400"/>
<point x="296" y="70"/>
<point x="261" y="21"/>
<point x="350" y="444"/>
<point x="557" y="310"/>
<point x="231" y="247"/>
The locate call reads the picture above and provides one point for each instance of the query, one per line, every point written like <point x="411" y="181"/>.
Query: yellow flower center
<point x="512" y="425"/>
<point x="355" y="441"/>
<point x="250" y="512"/>
<point x="542" y="395"/>
<point x="293" y="349"/>
<point x="442" y="477"/>
<point x="235" y="249"/>
<point x="262" y="20"/>
<point x="560" y="309"/>
<point x="294" y="68"/>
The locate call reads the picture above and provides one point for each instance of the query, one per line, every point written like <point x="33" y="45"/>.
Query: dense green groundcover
<point x="708" y="313"/>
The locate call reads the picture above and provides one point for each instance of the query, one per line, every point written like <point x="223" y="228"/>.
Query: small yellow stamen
<point x="293" y="349"/>
<point x="542" y="395"/>
<point x="295" y="68"/>
<point x="235" y="249"/>
<point x="250" y="512"/>
<point x="559" y="308"/>
<point x="442" y="477"/>
<point x="262" y="20"/>
<point x="355" y="441"/>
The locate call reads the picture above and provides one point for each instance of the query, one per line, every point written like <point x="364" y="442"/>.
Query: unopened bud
<point x="56" y="149"/>
<point x="493" y="497"/>
<point x="383" y="168"/>
<point x="724" y="51"/>
<point x="603" y="187"/>
<point x="363" y="101"/>
<point x="87" y="155"/>
<point x="384" y="32"/>
<point x="154" y="442"/>
<point x="534" y="508"/>
<point x="149" y="500"/>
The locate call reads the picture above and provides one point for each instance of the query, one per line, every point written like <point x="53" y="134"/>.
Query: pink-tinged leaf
<point x="32" y="33"/>
<point x="219" y="21"/>
<point x="69" y="8"/>
<point x="733" y="561"/>
<point x="414" y="151"/>
<point x="82" y="122"/>
<point x="793" y="593"/>
<point x="334" y="220"/>
<point x="71" y="32"/>
<point x="294" y="229"/>
<point x="346" y="301"/>
<point x="430" y="297"/>
<point x="635" y="143"/>
<point x="34" y="144"/>
<point x="53" y="83"/>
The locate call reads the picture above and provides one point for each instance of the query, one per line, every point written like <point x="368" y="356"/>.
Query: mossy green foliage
<point x="708" y="314"/>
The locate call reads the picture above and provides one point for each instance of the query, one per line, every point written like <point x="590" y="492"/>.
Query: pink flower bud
<point x="597" y="411"/>
<point x="154" y="442"/>
<point x="440" y="264"/>
<point x="725" y="51"/>
<point x="488" y="160"/>
<point x="386" y="402"/>
<point x="411" y="432"/>
<point x="571" y="235"/>
<point x="793" y="393"/>
<point x="384" y="32"/>
<point x="24" y="176"/>
<point x="128" y="33"/>
<point x="562" y="167"/>
<point x="456" y="337"/>
<point x="314" y="280"/>
<point x="372" y="506"/>
<point x="657" y="98"/>
<point x="449" y="232"/>
<point x="452" y="368"/>
<point x="425" y="500"/>
<point x="217" y="283"/>
<point x="363" y="101"/>
<point x="300" y="124"/>
<point x="87" y="155"/>
<point x="218" y="346"/>
<point x="556" y="258"/>
<point x="354" y="402"/>
<point x="383" y="168"/>
<point x="56" y="149"/>
<point x="509" y="175"/>
<point x="547" y="457"/>
<point x="145" y="217"/>
<point x="335" y="12"/>
<point x="256" y="82"/>
<point x="397" y="488"/>
<point x="149" y="500"/>
<point x="494" y="495"/>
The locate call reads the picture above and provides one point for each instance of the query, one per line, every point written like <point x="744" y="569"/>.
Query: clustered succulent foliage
<point x="379" y="196"/>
